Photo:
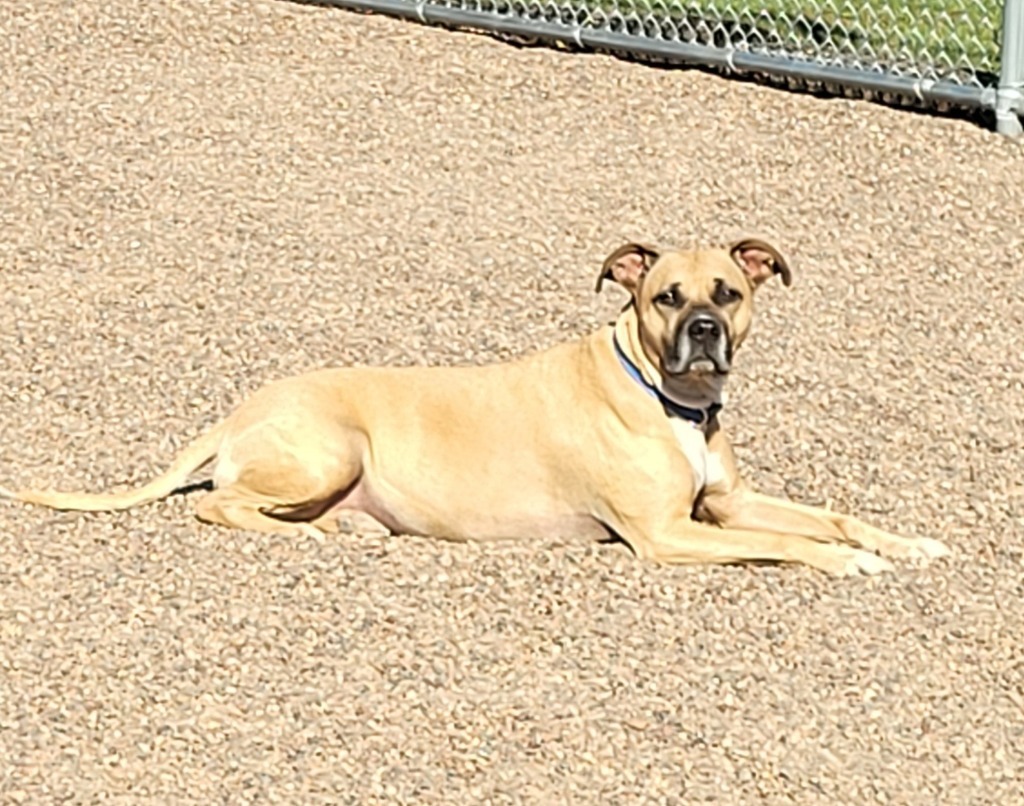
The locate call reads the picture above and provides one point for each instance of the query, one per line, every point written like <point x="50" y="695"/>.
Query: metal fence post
<point x="1010" y="95"/>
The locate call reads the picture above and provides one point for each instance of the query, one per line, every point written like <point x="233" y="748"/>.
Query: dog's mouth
<point x="705" y="366"/>
<point x="701" y="346"/>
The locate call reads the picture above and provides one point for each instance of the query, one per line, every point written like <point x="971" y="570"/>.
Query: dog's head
<point x="694" y="307"/>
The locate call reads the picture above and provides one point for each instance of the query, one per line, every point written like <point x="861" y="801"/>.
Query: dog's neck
<point x="704" y="391"/>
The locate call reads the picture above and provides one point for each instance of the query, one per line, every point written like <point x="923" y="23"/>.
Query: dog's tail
<point x="193" y="457"/>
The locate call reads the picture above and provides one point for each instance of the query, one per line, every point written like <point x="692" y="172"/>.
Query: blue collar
<point x="695" y="416"/>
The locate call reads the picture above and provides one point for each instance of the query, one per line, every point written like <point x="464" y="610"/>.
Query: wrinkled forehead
<point x="696" y="270"/>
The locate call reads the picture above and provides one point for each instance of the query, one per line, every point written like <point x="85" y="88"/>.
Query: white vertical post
<point x="1010" y="95"/>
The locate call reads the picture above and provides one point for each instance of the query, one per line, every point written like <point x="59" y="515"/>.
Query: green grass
<point x="955" y="37"/>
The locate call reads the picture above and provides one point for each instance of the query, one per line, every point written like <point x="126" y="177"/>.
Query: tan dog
<point x="615" y="433"/>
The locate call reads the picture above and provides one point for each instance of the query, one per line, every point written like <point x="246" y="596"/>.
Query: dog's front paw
<point x="919" y="549"/>
<point x="867" y="563"/>
<point x="895" y="546"/>
<point x="927" y="548"/>
<point x="845" y="561"/>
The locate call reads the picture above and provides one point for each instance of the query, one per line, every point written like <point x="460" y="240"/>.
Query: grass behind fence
<point x="957" y="33"/>
<point x="947" y="37"/>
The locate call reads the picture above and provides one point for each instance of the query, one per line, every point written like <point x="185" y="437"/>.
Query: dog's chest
<point x="707" y="466"/>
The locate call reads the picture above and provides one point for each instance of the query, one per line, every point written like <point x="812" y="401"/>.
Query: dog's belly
<point x="402" y="515"/>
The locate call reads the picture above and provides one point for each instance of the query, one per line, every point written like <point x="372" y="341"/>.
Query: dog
<point x="617" y="435"/>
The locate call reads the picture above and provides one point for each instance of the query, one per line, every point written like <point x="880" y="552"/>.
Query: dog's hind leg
<point x="230" y="507"/>
<point x="271" y="480"/>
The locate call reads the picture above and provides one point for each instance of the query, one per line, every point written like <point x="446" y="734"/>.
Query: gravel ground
<point x="197" y="197"/>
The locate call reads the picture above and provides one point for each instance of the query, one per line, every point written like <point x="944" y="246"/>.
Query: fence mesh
<point x="942" y="40"/>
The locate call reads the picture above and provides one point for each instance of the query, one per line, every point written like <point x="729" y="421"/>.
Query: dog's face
<point x="694" y="308"/>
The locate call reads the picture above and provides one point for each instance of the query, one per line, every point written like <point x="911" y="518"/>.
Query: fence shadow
<point x="726" y="34"/>
<point x="983" y="118"/>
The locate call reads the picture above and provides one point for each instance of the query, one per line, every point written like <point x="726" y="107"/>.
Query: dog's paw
<point x="897" y="547"/>
<point x="857" y="562"/>
<point x="351" y="522"/>
<point x="311" y="531"/>
<point x="927" y="548"/>
<point x="919" y="549"/>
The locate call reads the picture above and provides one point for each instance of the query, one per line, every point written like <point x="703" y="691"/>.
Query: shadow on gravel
<point x="729" y="32"/>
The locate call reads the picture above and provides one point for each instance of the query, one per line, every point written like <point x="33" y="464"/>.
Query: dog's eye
<point x="670" y="297"/>
<point x="725" y="295"/>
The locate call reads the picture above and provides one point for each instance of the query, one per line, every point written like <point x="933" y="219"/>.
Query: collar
<point x="699" y="417"/>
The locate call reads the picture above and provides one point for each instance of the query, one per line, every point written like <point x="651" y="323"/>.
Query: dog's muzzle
<point x="701" y="343"/>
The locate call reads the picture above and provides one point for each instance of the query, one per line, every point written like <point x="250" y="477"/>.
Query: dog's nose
<point x="705" y="329"/>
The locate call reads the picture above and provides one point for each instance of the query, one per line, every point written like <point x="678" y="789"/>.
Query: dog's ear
<point x="627" y="264"/>
<point x="760" y="261"/>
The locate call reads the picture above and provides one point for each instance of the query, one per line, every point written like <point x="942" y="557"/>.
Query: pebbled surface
<point x="198" y="197"/>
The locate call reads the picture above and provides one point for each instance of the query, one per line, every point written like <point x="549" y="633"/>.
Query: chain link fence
<point x="960" y="53"/>
<point x="938" y="40"/>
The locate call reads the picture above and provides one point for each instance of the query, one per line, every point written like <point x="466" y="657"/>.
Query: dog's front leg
<point x="742" y="508"/>
<point x="729" y="502"/>
<point x="753" y="510"/>
<point x="686" y="542"/>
